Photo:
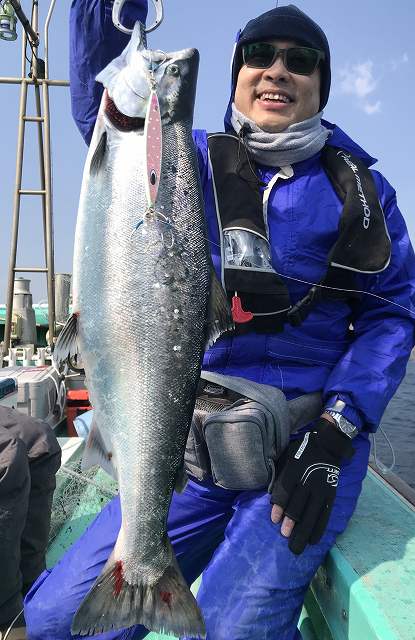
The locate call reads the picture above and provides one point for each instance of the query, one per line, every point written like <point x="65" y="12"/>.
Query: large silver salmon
<point x="146" y="302"/>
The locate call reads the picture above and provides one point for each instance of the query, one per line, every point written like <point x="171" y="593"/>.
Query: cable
<point x="11" y="626"/>
<point x="382" y="468"/>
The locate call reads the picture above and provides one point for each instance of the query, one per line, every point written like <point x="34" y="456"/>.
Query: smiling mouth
<point x="274" y="98"/>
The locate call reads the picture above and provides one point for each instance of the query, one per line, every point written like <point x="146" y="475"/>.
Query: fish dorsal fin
<point x="220" y="315"/>
<point x="97" y="452"/>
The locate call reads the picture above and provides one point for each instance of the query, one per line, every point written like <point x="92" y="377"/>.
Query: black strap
<point x="237" y="187"/>
<point x="239" y="201"/>
<point x="363" y="244"/>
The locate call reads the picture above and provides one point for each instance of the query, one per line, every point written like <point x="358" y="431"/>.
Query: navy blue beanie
<point x="286" y="22"/>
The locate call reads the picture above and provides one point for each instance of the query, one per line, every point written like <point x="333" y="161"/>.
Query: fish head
<point x="130" y="79"/>
<point x="176" y="79"/>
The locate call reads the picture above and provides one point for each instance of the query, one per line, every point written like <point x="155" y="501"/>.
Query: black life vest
<point x="260" y="299"/>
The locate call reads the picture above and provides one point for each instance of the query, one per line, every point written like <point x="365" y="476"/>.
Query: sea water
<point x="398" y="423"/>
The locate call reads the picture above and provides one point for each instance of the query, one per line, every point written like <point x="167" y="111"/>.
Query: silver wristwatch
<point x="342" y="424"/>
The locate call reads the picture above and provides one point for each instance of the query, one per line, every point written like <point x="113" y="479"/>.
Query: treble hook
<point x="116" y="16"/>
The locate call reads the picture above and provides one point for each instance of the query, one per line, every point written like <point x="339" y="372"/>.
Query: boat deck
<point x="364" y="591"/>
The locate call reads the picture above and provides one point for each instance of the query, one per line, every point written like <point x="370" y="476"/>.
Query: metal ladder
<point x="39" y="80"/>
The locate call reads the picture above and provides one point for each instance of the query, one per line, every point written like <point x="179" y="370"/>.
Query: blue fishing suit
<point x="253" y="586"/>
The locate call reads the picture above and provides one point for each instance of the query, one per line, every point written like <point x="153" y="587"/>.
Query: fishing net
<point x="79" y="495"/>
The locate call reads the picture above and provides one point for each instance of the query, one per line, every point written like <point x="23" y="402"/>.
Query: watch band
<point x="342" y="424"/>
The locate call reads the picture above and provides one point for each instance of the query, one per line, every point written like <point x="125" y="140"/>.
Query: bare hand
<point x="287" y="523"/>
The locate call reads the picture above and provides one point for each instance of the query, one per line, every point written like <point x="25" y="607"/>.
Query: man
<point x="29" y="459"/>
<point x="257" y="560"/>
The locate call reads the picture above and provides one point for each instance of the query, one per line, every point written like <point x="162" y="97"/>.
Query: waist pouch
<point x="238" y="443"/>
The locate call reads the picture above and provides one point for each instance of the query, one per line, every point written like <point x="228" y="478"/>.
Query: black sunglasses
<point x="301" y="60"/>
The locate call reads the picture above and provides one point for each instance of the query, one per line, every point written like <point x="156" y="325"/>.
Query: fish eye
<point x="173" y="70"/>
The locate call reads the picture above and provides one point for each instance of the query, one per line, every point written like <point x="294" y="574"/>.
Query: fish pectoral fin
<point x="67" y="343"/>
<point x="181" y="480"/>
<point x="220" y="315"/>
<point x="97" y="452"/>
<point x="99" y="155"/>
<point x="168" y="606"/>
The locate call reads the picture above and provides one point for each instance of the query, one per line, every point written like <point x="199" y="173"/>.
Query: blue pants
<point x="252" y="586"/>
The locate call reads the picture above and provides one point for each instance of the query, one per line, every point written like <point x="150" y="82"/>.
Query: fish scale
<point x="146" y="301"/>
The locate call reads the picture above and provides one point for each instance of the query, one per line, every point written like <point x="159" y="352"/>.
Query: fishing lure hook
<point x="116" y="16"/>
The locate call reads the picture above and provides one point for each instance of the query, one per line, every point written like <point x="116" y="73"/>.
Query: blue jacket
<point x="363" y="369"/>
<point x="93" y="43"/>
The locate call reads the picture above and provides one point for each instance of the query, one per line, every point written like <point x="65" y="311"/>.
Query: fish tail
<point x="165" y="607"/>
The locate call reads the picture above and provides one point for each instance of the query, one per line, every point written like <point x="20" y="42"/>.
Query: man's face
<point x="256" y="90"/>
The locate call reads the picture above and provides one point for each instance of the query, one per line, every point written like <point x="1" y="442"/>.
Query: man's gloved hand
<point x="306" y="482"/>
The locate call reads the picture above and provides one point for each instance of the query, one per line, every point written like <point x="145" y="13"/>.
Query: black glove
<point x="306" y="482"/>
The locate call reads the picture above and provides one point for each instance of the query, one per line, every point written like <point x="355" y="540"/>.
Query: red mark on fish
<point x="118" y="577"/>
<point x="166" y="596"/>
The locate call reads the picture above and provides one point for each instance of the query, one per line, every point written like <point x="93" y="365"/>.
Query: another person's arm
<point x="93" y="43"/>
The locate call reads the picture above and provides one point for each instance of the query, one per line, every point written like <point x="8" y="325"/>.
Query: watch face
<point x="346" y="426"/>
<point x="343" y="424"/>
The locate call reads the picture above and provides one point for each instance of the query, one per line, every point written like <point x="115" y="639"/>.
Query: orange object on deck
<point x="77" y="402"/>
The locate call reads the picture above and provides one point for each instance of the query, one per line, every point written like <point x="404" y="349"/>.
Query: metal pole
<point x="46" y="36"/>
<point x="35" y="23"/>
<point x="50" y="263"/>
<point x="16" y="201"/>
<point x="42" y="163"/>
<point x="28" y="28"/>
<point x="16" y="214"/>
<point x="50" y="260"/>
<point x="35" y="43"/>
<point x="50" y="83"/>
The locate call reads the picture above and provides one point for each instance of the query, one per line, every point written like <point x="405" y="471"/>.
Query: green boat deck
<point x="364" y="591"/>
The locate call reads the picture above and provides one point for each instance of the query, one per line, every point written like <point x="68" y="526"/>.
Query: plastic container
<point x="37" y="391"/>
<point x="77" y="402"/>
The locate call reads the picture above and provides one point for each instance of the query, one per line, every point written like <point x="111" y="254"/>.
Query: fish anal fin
<point x="168" y="606"/>
<point x="67" y="343"/>
<point x="97" y="452"/>
<point x="220" y="315"/>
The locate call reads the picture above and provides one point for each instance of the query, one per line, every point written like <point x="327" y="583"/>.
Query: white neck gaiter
<point x="298" y="142"/>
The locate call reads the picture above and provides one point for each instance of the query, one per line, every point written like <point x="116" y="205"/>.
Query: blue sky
<point x="372" y="99"/>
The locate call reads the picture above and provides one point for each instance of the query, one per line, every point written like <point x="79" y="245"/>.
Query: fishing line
<point x="158" y="218"/>
<point x="316" y="284"/>
<point x="325" y="286"/>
